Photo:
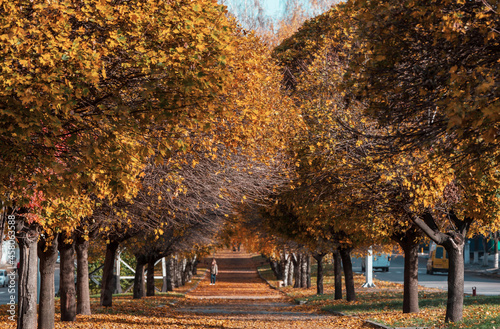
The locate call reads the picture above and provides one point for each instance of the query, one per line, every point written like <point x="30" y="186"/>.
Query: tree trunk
<point x="345" y="254"/>
<point x="410" y="290"/>
<point x="139" y="279"/>
<point x="195" y="265"/>
<point x="486" y="253"/>
<point x="178" y="272"/>
<point x="107" y="282"/>
<point x="82" y="277"/>
<point x="188" y="271"/>
<point x="117" y="287"/>
<point x="276" y="269"/>
<point x="48" y="258"/>
<point x="409" y="239"/>
<point x="170" y="274"/>
<point x="455" y="303"/>
<point x="290" y="272"/>
<point x="164" y="274"/>
<point x="27" y="237"/>
<point x="296" y="266"/>
<point x="285" y="269"/>
<point x="495" y="249"/>
<point x="303" y="270"/>
<point x="453" y="241"/>
<point x="337" y="272"/>
<point x="319" y="281"/>
<point x="150" y="287"/>
<point x="67" y="280"/>
<point x="3" y="222"/>
<point x="308" y="281"/>
<point x="183" y="271"/>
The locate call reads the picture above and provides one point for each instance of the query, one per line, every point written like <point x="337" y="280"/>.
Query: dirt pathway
<point x="241" y="299"/>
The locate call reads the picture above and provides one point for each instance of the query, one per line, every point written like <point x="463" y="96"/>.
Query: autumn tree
<point x="345" y="157"/>
<point x="79" y="76"/>
<point x="71" y="90"/>
<point x="427" y="72"/>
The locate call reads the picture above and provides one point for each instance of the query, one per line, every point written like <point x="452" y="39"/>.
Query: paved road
<point x="5" y="295"/>
<point x="484" y="285"/>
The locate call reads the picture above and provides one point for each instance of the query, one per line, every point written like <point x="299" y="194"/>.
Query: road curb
<point x="492" y="273"/>
<point x="372" y="323"/>
<point x="383" y="326"/>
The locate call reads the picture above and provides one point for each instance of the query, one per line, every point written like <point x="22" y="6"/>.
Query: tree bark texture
<point x="67" y="280"/>
<point x="345" y="254"/>
<point x="139" y="279"/>
<point x="410" y="290"/>
<point x="297" y="267"/>
<point x="188" y="271"/>
<point x="455" y="303"/>
<point x="319" y="281"/>
<point x="275" y="267"/>
<point x="303" y="270"/>
<point x="107" y="282"/>
<point x="308" y="282"/>
<point x="170" y="274"/>
<point x="3" y="223"/>
<point x="164" y="274"/>
<point x="150" y="287"/>
<point x="337" y="272"/>
<point x="47" y="252"/>
<point x="195" y="265"/>
<point x="290" y="272"/>
<point x="183" y="271"/>
<point x="285" y="264"/>
<point x="409" y="239"/>
<point x="178" y="272"/>
<point x="82" y="277"/>
<point x="27" y="237"/>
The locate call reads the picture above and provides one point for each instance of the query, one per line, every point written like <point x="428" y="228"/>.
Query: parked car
<point x="3" y="278"/>
<point x="438" y="260"/>
<point x="381" y="262"/>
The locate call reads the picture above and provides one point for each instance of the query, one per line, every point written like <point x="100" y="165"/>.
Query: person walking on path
<point x="214" y="270"/>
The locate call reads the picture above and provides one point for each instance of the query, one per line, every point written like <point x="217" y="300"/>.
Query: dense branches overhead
<point x="432" y="71"/>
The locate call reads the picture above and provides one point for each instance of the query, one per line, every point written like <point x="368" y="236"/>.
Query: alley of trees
<point x="167" y="128"/>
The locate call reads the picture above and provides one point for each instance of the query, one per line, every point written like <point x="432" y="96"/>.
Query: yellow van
<point x="438" y="260"/>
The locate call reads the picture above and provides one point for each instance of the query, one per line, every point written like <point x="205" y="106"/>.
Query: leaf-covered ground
<point x="384" y="304"/>
<point x="240" y="299"/>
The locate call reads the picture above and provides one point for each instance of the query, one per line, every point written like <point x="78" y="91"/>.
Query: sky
<point x="271" y="7"/>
